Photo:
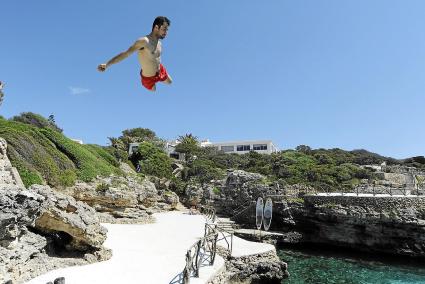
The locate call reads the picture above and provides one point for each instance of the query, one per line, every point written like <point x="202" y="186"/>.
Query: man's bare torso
<point x="150" y="57"/>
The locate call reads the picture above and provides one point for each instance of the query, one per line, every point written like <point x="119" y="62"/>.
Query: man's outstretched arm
<point x="136" y="46"/>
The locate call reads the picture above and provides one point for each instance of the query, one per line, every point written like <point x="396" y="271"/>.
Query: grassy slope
<point x="44" y="155"/>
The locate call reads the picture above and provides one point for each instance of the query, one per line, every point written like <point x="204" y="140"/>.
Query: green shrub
<point x="102" y="187"/>
<point x="152" y="160"/>
<point x="88" y="164"/>
<point x="118" y="154"/>
<point x="177" y="185"/>
<point x="36" y="120"/>
<point x="67" y="178"/>
<point x="30" y="152"/>
<point x="204" y="171"/>
<point x="216" y="190"/>
<point x="28" y="177"/>
<point x="102" y="152"/>
<point x="295" y="200"/>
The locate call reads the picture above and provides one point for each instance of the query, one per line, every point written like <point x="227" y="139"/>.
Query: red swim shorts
<point x="149" y="82"/>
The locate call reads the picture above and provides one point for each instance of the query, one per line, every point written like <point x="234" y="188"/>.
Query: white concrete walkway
<point x="152" y="253"/>
<point x="243" y="247"/>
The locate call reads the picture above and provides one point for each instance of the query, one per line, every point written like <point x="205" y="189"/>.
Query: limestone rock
<point x="62" y="213"/>
<point x="256" y="269"/>
<point x="172" y="199"/>
<point x="193" y="194"/>
<point x="238" y="177"/>
<point x="41" y="227"/>
<point x="127" y="169"/>
<point x="124" y="200"/>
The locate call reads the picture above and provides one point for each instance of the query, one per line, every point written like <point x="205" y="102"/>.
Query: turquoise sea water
<point x="313" y="267"/>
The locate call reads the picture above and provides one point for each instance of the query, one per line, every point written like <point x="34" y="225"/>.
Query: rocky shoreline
<point x="265" y="268"/>
<point x="44" y="231"/>
<point x="388" y="225"/>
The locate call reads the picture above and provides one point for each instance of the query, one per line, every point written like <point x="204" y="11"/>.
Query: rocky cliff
<point x="125" y="199"/>
<point x="393" y="225"/>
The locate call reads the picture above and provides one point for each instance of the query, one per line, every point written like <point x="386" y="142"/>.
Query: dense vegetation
<point x="152" y="160"/>
<point x="321" y="168"/>
<point x="42" y="154"/>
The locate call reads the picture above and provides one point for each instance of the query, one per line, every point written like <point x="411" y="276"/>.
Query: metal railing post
<point x="198" y="249"/>
<point x="231" y="244"/>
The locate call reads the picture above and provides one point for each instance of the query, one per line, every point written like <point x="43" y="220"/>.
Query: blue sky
<point x="325" y="73"/>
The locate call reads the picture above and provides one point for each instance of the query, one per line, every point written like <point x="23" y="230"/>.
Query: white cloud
<point x="78" y="90"/>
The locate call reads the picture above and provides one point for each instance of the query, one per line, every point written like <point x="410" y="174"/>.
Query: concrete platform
<point x="152" y="253"/>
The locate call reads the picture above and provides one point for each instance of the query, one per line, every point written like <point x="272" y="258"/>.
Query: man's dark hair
<point x="159" y="21"/>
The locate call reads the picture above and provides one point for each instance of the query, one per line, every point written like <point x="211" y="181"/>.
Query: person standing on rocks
<point x="149" y="49"/>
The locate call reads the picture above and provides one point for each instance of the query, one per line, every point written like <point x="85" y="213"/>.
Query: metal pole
<point x="198" y="249"/>
<point x="231" y="244"/>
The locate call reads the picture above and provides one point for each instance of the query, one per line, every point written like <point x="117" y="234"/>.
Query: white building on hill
<point x="243" y="146"/>
<point x="239" y="147"/>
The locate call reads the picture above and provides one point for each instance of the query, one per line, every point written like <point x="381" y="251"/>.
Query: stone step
<point x="225" y="220"/>
<point x="229" y="231"/>
<point x="228" y="226"/>
<point x="225" y="224"/>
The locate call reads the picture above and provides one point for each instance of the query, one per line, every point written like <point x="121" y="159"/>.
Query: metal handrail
<point x="194" y="258"/>
<point x="252" y="202"/>
<point x="208" y="243"/>
<point x="209" y="212"/>
<point x="216" y="228"/>
<point x="242" y="206"/>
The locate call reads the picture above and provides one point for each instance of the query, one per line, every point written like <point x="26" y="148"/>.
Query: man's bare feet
<point x="101" y="67"/>
<point x="168" y="81"/>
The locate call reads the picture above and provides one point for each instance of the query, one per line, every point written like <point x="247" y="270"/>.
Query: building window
<point x="260" y="146"/>
<point x="134" y="149"/>
<point x="243" y="147"/>
<point x="227" y="148"/>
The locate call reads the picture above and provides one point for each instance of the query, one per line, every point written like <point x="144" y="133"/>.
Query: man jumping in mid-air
<point x="149" y="54"/>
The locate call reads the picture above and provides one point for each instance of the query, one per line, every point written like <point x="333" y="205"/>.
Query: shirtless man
<point x="149" y="54"/>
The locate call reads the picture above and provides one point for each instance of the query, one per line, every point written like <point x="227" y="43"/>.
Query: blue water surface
<point x="305" y="267"/>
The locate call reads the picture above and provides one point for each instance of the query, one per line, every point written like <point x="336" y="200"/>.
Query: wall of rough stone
<point x="376" y="203"/>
